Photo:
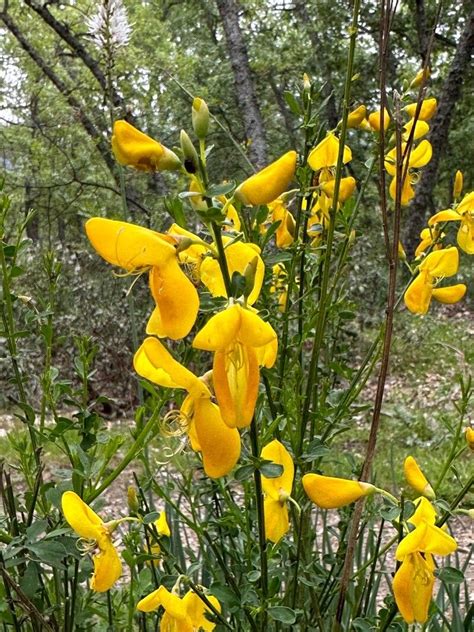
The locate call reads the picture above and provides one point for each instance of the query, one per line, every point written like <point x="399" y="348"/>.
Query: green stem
<point x="261" y="527"/>
<point x="131" y="454"/>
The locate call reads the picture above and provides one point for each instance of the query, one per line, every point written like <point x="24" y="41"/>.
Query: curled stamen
<point x="175" y="423"/>
<point x="85" y="545"/>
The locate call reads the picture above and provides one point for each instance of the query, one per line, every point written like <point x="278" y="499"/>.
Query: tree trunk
<point x="423" y="205"/>
<point x="244" y="84"/>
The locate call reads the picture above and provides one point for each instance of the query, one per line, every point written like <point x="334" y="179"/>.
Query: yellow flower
<point x="470" y="437"/>
<point x="324" y="155"/>
<point x="418" y="157"/>
<point x="88" y="525"/>
<point x="238" y="256"/>
<point x="414" y="580"/>
<point x="374" y="120"/>
<point x="135" y="149"/>
<point x="330" y="493"/>
<point x="421" y="129"/>
<point x="136" y="249"/>
<point x="346" y="189"/>
<point x="241" y="342"/>
<point x="416" y="478"/>
<point x="436" y="266"/>
<point x="162" y="525"/>
<point x="269" y="183"/>
<point x="421" y="75"/>
<point x="187" y="614"/>
<point x="427" y="111"/>
<point x="279" y="285"/>
<point x="458" y="184"/>
<point x="463" y="213"/>
<point x="218" y="444"/>
<point x="428" y="236"/>
<point x="356" y="117"/>
<point x="285" y="233"/>
<point x="277" y="491"/>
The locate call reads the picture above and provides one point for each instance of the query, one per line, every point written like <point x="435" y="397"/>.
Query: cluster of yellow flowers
<point x="222" y="402"/>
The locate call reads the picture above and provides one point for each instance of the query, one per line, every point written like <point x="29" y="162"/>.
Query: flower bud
<point x="329" y="492"/>
<point x="200" y="118"/>
<point x="249" y="275"/>
<point x="306" y="83"/>
<point x="132" y="499"/>
<point x="402" y="255"/>
<point x="190" y="156"/>
<point x="458" y="184"/>
<point x="416" y="479"/>
<point x="133" y="148"/>
<point x="356" y="117"/>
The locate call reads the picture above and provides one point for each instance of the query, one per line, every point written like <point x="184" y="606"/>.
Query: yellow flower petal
<point x="219" y="444"/>
<point x="450" y="294"/>
<point x="276" y="452"/>
<point x="197" y="609"/>
<point x="346" y="189"/>
<point x="375" y="118"/>
<point x="129" y="246"/>
<point x="236" y="376"/>
<point x="135" y="149"/>
<point x="418" y="295"/>
<point x="238" y="256"/>
<point x="466" y="204"/>
<point x="356" y="117"/>
<point x="421" y="129"/>
<point x="107" y="568"/>
<point x="269" y="183"/>
<point x="465" y="236"/>
<point x="85" y="522"/>
<point x="425" y="512"/>
<point x="428" y="108"/>
<point x="441" y="263"/>
<point x="416" y="479"/>
<point x="330" y="493"/>
<point x="325" y="154"/>
<point x="177" y="302"/>
<point x="162" y="525"/>
<point x="153" y="362"/>
<point x="413" y="587"/>
<point x="408" y="193"/>
<point x="220" y="330"/>
<point x="276" y="519"/>
<point x="173" y="605"/>
<point x="253" y="331"/>
<point x="420" y="155"/>
<point x="447" y="215"/>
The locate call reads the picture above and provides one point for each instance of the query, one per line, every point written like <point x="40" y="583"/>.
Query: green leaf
<point x="220" y="189"/>
<point x="282" y="614"/>
<point x="292" y="102"/>
<point x="225" y="595"/>
<point x="271" y="470"/>
<point x="151" y="517"/>
<point x="243" y="472"/>
<point x="450" y="575"/>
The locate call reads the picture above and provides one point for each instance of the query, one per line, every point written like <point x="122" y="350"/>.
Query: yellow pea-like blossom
<point x="238" y="256"/>
<point x="436" y="266"/>
<point x="414" y="580"/>
<point x="324" y="155"/>
<point x="279" y="285"/>
<point x="416" y="479"/>
<point x="269" y="183"/>
<point x="356" y="117"/>
<point x="422" y="75"/>
<point x="218" y="444"/>
<point x="136" y="249"/>
<point x="375" y="118"/>
<point x="329" y="492"/>
<point x="429" y="236"/>
<point x="162" y="526"/>
<point x="470" y="437"/>
<point x="421" y="129"/>
<point x="285" y="233"/>
<point x="88" y="525"/>
<point x="418" y="157"/>
<point x="182" y="614"/>
<point x="427" y="111"/>
<point x="277" y="491"/>
<point x="464" y="213"/>
<point x="241" y="342"/>
<point x="135" y="149"/>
